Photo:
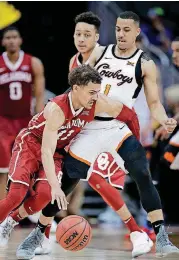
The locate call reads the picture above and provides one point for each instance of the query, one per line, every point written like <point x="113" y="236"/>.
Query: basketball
<point x="73" y="233"/>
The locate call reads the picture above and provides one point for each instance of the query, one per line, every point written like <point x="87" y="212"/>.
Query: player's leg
<point x="39" y="197"/>
<point x="27" y="248"/>
<point x="136" y="163"/>
<point x="22" y="164"/>
<point x="111" y="196"/>
<point x="14" y="198"/>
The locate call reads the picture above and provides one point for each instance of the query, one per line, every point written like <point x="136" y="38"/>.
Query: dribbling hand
<point x="59" y="196"/>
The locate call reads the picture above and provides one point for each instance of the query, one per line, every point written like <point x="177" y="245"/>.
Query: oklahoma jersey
<point x="122" y="77"/>
<point x="15" y="86"/>
<point x="74" y="120"/>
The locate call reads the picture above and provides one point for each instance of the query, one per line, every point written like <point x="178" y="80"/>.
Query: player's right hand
<point x="59" y="196"/>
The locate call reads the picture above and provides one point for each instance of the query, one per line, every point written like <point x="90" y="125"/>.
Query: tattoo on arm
<point x="145" y="57"/>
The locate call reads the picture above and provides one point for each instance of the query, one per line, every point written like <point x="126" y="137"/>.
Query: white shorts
<point x="98" y="137"/>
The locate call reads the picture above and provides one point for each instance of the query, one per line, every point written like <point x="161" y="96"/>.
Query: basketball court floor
<point x="107" y="244"/>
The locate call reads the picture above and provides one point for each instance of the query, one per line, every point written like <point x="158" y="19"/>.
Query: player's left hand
<point x="169" y="125"/>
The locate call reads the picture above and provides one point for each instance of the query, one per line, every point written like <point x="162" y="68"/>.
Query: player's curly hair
<point x="82" y="75"/>
<point x="90" y="18"/>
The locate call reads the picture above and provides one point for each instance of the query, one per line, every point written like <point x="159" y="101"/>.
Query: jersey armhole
<point x="138" y="76"/>
<point x="101" y="56"/>
<point x="60" y="106"/>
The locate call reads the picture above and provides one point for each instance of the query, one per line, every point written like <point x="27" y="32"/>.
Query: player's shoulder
<point x="146" y="58"/>
<point x="57" y="104"/>
<point x="62" y="101"/>
<point x="147" y="62"/>
<point x="73" y="58"/>
<point x="73" y="61"/>
<point x="1" y="56"/>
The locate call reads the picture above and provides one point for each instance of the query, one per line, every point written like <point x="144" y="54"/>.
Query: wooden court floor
<point x="107" y="244"/>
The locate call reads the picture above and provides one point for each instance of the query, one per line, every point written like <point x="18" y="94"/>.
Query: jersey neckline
<point x="122" y="58"/>
<point x="77" y="112"/>
<point x="9" y="64"/>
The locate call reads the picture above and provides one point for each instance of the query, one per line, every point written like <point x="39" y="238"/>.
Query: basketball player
<point x="49" y="131"/>
<point x="123" y="80"/>
<point x="19" y="74"/>
<point x="105" y="135"/>
<point x="86" y="36"/>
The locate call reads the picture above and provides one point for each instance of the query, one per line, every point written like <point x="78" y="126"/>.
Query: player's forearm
<point x="49" y="167"/>
<point x="158" y="112"/>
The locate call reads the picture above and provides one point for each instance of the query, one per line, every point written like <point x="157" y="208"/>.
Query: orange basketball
<point x="73" y="233"/>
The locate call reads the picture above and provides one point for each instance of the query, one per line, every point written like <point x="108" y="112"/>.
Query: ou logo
<point x="103" y="161"/>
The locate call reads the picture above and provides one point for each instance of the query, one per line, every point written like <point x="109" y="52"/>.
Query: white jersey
<point x="122" y="77"/>
<point x="122" y="81"/>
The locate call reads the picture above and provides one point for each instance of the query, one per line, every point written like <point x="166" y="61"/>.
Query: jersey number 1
<point x="15" y="89"/>
<point x="107" y="89"/>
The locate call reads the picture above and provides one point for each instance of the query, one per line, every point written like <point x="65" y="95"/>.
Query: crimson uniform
<point x="26" y="157"/>
<point x="26" y="164"/>
<point x="15" y="102"/>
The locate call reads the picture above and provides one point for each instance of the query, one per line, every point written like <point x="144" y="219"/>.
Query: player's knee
<point x="96" y="181"/>
<point x="138" y="166"/>
<point x="16" y="194"/>
<point x="43" y="195"/>
<point x="50" y="210"/>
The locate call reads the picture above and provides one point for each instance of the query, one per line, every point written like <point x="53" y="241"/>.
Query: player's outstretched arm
<point x="54" y="120"/>
<point x="152" y="96"/>
<point x="120" y="112"/>
<point x="96" y="54"/>
<point x="39" y="83"/>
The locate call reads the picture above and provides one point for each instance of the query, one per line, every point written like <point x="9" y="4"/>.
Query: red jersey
<point x="15" y="86"/>
<point x="75" y="62"/>
<point x="74" y="120"/>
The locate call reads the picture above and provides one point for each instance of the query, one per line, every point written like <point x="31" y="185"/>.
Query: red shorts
<point x="25" y="164"/>
<point x="106" y="167"/>
<point x="9" y="129"/>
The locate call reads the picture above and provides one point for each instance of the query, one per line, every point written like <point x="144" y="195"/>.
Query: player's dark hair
<point x="10" y="28"/>
<point x="90" y="18"/>
<point x="130" y="15"/>
<point x="82" y="75"/>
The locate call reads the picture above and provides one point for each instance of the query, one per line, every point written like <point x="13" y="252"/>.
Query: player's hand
<point x="59" y="196"/>
<point x="161" y="133"/>
<point x="169" y="125"/>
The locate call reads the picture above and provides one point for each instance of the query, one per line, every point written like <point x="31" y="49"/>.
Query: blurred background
<point x="47" y="31"/>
